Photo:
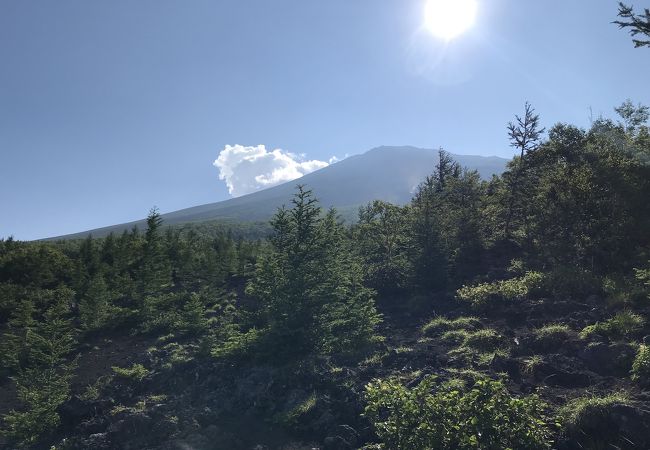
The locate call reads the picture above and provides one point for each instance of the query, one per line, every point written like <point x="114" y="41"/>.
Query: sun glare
<point x="448" y="19"/>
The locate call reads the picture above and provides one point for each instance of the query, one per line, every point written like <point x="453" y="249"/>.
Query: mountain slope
<point x="383" y="173"/>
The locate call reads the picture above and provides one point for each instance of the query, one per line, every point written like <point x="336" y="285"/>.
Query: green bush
<point x="503" y="290"/>
<point x="624" y="324"/>
<point x="641" y="365"/>
<point x="563" y="281"/>
<point x="235" y="344"/>
<point x="41" y="392"/>
<point x="438" y="417"/>
<point x="441" y="324"/>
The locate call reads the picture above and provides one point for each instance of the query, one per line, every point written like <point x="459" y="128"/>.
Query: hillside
<point x="383" y="173"/>
<point x="504" y="314"/>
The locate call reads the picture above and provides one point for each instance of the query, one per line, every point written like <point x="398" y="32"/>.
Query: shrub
<point x="441" y="324"/>
<point x="551" y="336"/>
<point x="41" y="392"/>
<point x="641" y="365"/>
<point x="235" y="344"/>
<point x="572" y="282"/>
<point x="135" y="372"/>
<point x="503" y="290"/>
<point x="446" y="417"/>
<point x="624" y="324"/>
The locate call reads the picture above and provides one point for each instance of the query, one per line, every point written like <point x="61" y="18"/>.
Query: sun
<point x="448" y="19"/>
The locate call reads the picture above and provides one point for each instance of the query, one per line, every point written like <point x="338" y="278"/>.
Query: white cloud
<point x="247" y="169"/>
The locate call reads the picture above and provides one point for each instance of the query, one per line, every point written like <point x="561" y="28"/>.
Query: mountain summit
<point x="383" y="173"/>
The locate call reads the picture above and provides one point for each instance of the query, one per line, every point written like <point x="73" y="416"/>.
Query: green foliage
<point x="624" y="324"/>
<point x="641" y="365"/>
<point x="301" y="408"/>
<point x="136" y="372"/>
<point x="34" y="264"/>
<point x="383" y="242"/>
<point x="637" y="25"/>
<point x="441" y="417"/>
<point x="441" y="324"/>
<point x="310" y="285"/>
<point x="484" y="294"/>
<point x="95" y="306"/>
<point x="43" y="372"/>
<point x="234" y="344"/>
<point x="155" y="270"/>
<point x="41" y="392"/>
<point x="643" y="275"/>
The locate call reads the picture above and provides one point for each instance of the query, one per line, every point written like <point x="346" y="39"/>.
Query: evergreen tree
<point x="638" y="24"/>
<point x="383" y="241"/>
<point x="525" y="134"/>
<point x="310" y="283"/>
<point x="94" y="307"/>
<point x="155" y="270"/>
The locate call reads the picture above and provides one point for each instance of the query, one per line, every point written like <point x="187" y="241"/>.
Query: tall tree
<point x="638" y="24"/>
<point x="525" y="134"/>
<point x="310" y="284"/>
<point x="155" y="272"/>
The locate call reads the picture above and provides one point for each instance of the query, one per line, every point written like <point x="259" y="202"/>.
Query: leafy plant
<point x="624" y="324"/>
<point x="442" y="417"/>
<point x="505" y="290"/>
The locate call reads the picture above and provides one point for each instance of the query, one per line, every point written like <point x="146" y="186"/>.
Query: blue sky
<point x="108" y="108"/>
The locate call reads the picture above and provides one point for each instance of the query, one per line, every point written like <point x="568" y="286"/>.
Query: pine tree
<point x="94" y="307"/>
<point x="14" y="345"/>
<point x="155" y="270"/>
<point x="310" y="283"/>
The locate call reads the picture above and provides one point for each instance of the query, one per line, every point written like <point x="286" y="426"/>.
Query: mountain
<point x="383" y="173"/>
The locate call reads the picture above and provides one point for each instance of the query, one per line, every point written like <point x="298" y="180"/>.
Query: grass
<point x="484" y="340"/>
<point x="641" y="365"/>
<point x="298" y="410"/>
<point x="441" y="324"/>
<point x="531" y="363"/>
<point x="587" y="413"/>
<point x="136" y="372"/>
<point x="552" y="336"/>
<point x="624" y="324"/>
<point x="454" y="337"/>
<point x="478" y="346"/>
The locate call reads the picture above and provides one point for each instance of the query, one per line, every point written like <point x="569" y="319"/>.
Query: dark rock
<point x="336" y="443"/>
<point x="97" y="440"/>
<point x="507" y="365"/>
<point x="615" y="359"/>
<point x="74" y="410"/>
<point x="568" y="379"/>
<point x="130" y="427"/>
<point x="620" y="426"/>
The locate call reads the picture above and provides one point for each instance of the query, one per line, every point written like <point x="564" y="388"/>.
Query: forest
<point x="501" y="313"/>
